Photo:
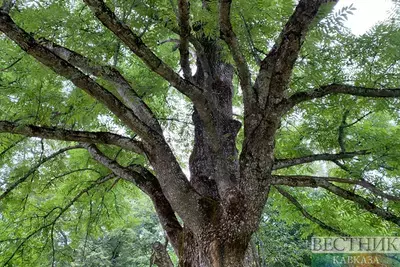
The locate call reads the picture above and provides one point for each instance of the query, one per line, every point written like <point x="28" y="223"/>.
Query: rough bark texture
<point x="160" y="256"/>
<point x="220" y="204"/>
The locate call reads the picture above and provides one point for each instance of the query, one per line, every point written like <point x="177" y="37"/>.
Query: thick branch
<point x="231" y="40"/>
<point x="183" y="18"/>
<point x="69" y="135"/>
<point x="110" y="74"/>
<point x="324" y="182"/>
<point x="148" y="183"/>
<point x="174" y="183"/>
<point x="314" y="181"/>
<point x="136" y="45"/>
<point x="343" y="89"/>
<point x="277" y="66"/>
<point x="286" y="163"/>
<point x="34" y="168"/>
<point x="306" y="214"/>
<point x="79" y="79"/>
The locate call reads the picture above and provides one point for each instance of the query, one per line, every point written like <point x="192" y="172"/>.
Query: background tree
<point x="273" y="87"/>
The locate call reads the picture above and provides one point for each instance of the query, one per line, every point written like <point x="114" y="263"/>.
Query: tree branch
<point x="183" y="18"/>
<point x="110" y="74"/>
<point x="79" y="79"/>
<point x="123" y="172"/>
<point x="252" y="46"/>
<point x="34" y="168"/>
<point x="11" y="65"/>
<point x="136" y="45"/>
<point x="277" y="66"/>
<point x="343" y="89"/>
<point x="341" y="165"/>
<point x="176" y="187"/>
<point x="286" y="163"/>
<point x="149" y="184"/>
<point x="313" y="181"/>
<point x="341" y="134"/>
<point x="69" y="135"/>
<point x="358" y="120"/>
<point x="229" y="36"/>
<point x="51" y="181"/>
<point x="343" y="125"/>
<point x="306" y="214"/>
<point x="173" y="181"/>
<point x="324" y="182"/>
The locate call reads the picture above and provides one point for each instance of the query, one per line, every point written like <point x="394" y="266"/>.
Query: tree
<point x="314" y="77"/>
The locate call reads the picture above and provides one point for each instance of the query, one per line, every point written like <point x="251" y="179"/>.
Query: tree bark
<point x="212" y="251"/>
<point x="160" y="256"/>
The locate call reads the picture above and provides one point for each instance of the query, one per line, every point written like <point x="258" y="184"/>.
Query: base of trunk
<point x="206" y="252"/>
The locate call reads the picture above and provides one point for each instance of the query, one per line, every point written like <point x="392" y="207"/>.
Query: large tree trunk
<point x="209" y="250"/>
<point x="223" y="239"/>
<point x="212" y="251"/>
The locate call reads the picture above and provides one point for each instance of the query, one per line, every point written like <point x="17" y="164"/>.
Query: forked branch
<point x="136" y="45"/>
<point x="174" y="183"/>
<point x="110" y="74"/>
